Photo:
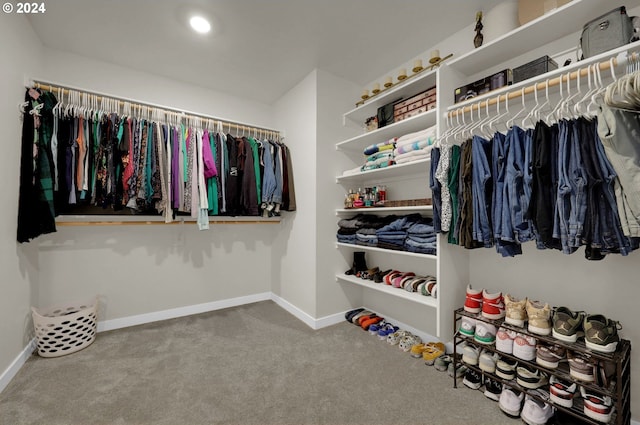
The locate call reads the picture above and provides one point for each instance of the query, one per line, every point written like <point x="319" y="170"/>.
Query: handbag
<point x="611" y="30"/>
<point x="385" y="114"/>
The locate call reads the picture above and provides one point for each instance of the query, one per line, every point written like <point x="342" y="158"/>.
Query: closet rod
<point x="53" y="87"/>
<point x="537" y="86"/>
<point x="145" y="223"/>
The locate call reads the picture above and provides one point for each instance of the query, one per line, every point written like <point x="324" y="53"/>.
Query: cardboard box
<point x="528" y="10"/>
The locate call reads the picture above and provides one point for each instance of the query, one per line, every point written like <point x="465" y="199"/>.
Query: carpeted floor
<point x="254" y="364"/>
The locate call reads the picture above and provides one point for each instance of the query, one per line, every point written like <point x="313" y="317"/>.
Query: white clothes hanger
<point x="511" y="121"/>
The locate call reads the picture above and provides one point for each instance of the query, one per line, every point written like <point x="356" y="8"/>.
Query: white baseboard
<point x="173" y="313"/>
<point x="298" y="313"/>
<point x="424" y="335"/>
<point x="17" y="363"/>
<point x="330" y="320"/>
<point x="634" y="422"/>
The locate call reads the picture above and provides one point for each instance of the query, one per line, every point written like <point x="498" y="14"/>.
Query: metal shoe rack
<point x="619" y="390"/>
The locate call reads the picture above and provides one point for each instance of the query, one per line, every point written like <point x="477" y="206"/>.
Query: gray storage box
<point x="534" y="68"/>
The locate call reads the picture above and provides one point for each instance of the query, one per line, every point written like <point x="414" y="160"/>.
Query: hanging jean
<point x="453" y="179"/>
<point x="482" y="190"/>
<point x="566" y="185"/>
<point x="515" y="226"/>
<point x="434" y="184"/>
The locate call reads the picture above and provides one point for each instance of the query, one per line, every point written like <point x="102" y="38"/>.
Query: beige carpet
<point x="254" y="364"/>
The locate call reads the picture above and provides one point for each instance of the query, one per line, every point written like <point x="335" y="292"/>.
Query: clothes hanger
<point x="551" y="117"/>
<point x="532" y="112"/>
<point x="511" y="121"/>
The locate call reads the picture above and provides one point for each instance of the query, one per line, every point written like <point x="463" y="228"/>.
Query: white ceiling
<point x="258" y="49"/>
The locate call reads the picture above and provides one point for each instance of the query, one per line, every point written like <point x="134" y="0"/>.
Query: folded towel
<point x="416" y="146"/>
<point x="379" y="146"/>
<point x="428" y="133"/>
<point x="380" y="155"/>
<point x="413" y="158"/>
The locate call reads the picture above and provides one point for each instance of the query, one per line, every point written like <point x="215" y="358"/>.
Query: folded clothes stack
<point x="380" y="147"/>
<point x="414" y="146"/>
<point x="421" y="237"/>
<point x="367" y="235"/>
<point x="393" y="235"/>
<point x="379" y="160"/>
<point x="348" y="227"/>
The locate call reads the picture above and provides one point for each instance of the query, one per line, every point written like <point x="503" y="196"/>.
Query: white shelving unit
<point x="393" y="172"/>
<point x="387" y="251"/>
<point x="390" y="290"/>
<point x="386" y="210"/>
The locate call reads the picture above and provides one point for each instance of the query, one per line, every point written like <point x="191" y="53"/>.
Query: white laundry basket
<point x="65" y="330"/>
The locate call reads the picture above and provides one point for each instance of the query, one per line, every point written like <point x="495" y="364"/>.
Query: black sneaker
<point x="492" y="389"/>
<point x="472" y="379"/>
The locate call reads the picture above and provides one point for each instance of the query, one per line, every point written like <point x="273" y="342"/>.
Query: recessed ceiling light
<point x="200" y="24"/>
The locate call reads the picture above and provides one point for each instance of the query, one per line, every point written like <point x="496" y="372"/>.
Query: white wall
<point x="143" y="269"/>
<point x="335" y="96"/>
<point x="20" y="53"/>
<point x="294" y="248"/>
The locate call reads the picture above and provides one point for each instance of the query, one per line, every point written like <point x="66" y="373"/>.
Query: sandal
<point x="387" y="330"/>
<point x="409" y="341"/>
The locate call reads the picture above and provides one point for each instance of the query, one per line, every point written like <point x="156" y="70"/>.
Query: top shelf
<point x="563" y="21"/>
<point x="412" y="86"/>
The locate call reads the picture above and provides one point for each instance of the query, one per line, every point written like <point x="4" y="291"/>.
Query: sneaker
<point x="504" y="340"/>
<point x="506" y="368"/>
<point x="432" y="352"/>
<point x="387" y="330"/>
<point x="550" y="356"/>
<point x="539" y="318"/>
<point x="442" y="363"/>
<point x="567" y="325"/>
<point x="582" y="367"/>
<point x="472" y="379"/>
<point x="530" y="377"/>
<point x="467" y="326"/>
<point x="536" y="412"/>
<point x="492" y="305"/>
<point x="487" y="361"/>
<point x="473" y="301"/>
<point x="510" y="401"/>
<point x="485" y="333"/>
<point x="375" y="327"/>
<point x="409" y="341"/>
<point x="596" y="406"/>
<point x="460" y="370"/>
<point x="492" y="389"/>
<point x="562" y="392"/>
<point x="524" y="347"/>
<point x="516" y="312"/>
<point x="600" y="333"/>
<point x="470" y="354"/>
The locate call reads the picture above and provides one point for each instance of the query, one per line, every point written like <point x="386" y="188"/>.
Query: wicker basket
<point x="65" y="330"/>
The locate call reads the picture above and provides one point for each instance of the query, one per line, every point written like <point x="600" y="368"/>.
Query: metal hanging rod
<point x="583" y="72"/>
<point x="135" y="104"/>
<point x="159" y="223"/>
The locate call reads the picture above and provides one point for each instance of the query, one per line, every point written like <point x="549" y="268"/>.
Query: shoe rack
<point x="619" y="389"/>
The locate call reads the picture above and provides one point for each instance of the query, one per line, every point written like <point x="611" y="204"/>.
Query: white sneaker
<point x="467" y="326"/>
<point x="597" y="406"/>
<point x="535" y="412"/>
<point x="524" y="347"/>
<point x="485" y="333"/>
<point x="511" y="401"/>
<point x="488" y="360"/>
<point x="562" y="392"/>
<point x="470" y="354"/>
<point x="504" y="340"/>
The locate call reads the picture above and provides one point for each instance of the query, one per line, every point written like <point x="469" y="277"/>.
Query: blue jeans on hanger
<point x="499" y="202"/>
<point x="519" y="151"/>
<point x="566" y="185"/>
<point x="578" y="181"/>
<point x="482" y="190"/>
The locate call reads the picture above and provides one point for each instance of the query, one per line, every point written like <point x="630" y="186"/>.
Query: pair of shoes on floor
<point x="363" y="318"/>
<point x="385" y="330"/>
<point x="532" y="410"/>
<point x="442" y="363"/>
<point x="429" y="351"/>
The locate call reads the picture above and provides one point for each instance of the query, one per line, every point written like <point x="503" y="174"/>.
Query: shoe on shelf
<point x="506" y="368"/>
<point x="530" y="377"/>
<point x="600" y="333"/>
<point x="582" y="367"/>
<point x="539" y="317"/>
<point x="516" y="311"/>
<point x="409" y="341"/>
<point x="524" y="347"/>
<point x="433" y="351"/>
<point x="504" y="340"/>
<point x="460" y="370"/>
<point x="597" y="406"/>
<point x="492" y="388"/>
<point x="472" y="379"/>
<point x="470" y="354"/>
<point x="567" y="325"/>
<point x="473" y="301"/>
<point x="492" y="305"/>
<point x="536" y="412"/>
<point x="550" y="355"/>
<point x="510" y="401"/>
<point x="442" y="363"/>
<point x="487" y="361"/>
<point x="485" y="333"/>
<point x="562" y="392"/>
<point x="467" y="326"/>
<point x="386" y="330"/>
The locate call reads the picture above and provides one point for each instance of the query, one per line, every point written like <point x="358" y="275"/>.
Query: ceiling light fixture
<point x="200" y="24"/>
